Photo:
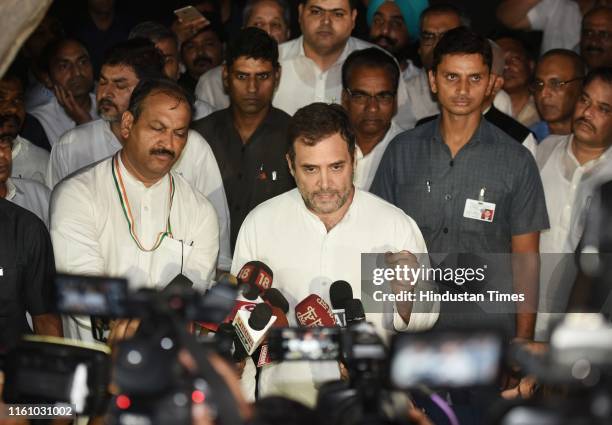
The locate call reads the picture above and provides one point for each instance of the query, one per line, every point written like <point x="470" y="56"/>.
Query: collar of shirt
<point x="12" y="190"/>
<point x="570" y="163"/>
<point x="480" y="135"/>
<point x="348" y="48"/>
<point x="109" y="135"/>
<point x="18" y="146"/>
<point x="231" y="126"/>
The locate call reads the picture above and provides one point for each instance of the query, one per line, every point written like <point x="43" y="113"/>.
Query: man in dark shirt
<point x="447" y="172"/>
<point x="249" y="139"/>
<point x="27" y="268"/>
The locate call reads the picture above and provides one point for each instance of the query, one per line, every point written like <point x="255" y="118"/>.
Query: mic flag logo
<point x="309" y="318"/>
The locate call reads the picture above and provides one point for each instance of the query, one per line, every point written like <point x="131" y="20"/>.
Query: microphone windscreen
<point x="260" y="316"/>
<point x="275" y="298"/>
<point x="339" y="293"/>
<point x="256" y="273"/>
<point x="313" y="311"/>
<point x="354" y="311"/>
<point x="178" y="283"/>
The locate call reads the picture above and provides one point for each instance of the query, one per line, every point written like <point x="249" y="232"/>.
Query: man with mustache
<point x="274" y="17"/>
<point x="596" y="38"/>
<point x="69" y="68"/>
<point x="517" y="76"/>
<point x="446" y="172"/>
<point x="125" y="66"/>
<point x="370" y="78"/>
<point x="249" y="138"/>
<point x="130" y="215"/>
<point x="29" y="161"/>
<point x="316" y="233"/>
<point x="572" y="166"/>
<point x="200" y="53"/>
<point x="556" y="87"/>
<point x="389" y="28"/>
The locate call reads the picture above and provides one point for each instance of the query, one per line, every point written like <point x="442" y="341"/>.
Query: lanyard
<point x="125" y="205"/>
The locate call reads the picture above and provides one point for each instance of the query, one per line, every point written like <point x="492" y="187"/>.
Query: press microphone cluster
<point x="313" y="311"/>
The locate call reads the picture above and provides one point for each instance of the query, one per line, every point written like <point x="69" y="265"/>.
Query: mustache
<point x="593" y="49"/>
<point x="162" y="151"/>
<point x="106" y="102"/>
<point x="586" y="122"/>
<point x="388" y="40"/>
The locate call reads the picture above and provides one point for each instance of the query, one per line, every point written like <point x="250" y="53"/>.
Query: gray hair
<point x="248" y="10"/>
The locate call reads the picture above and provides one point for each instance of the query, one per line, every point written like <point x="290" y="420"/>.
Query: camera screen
<point x="315" y="344"/>
<point x="448" y="360"/>
<point x="89" y="295"/>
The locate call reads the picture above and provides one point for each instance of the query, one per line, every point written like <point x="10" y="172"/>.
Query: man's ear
<point x="432" y="81"/>
<point x="353" y="18"/>
<point x="491" y="84"/>
<point x="291" y="170"/>
<point x="497" y="86"/>
<point x="277" y="73"/>
<point x="127" y="121"/>
<point x="345" y="96"/>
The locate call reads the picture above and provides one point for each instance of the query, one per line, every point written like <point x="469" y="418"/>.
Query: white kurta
<point x="29" y="161"/>
<point x="210" y="88"/>
<point x="94" y="141"/>
<point x="560" y="22"/>
<point x="306" y="259"/>
<point x="569" y="188"/>
<point x="90" y="232"/>
<point x="31" y="195"/>
<point x="55" y="120"/>
<point x="366" y="166"/>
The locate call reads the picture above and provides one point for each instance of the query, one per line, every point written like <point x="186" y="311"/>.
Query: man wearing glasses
<point x="369" y="79"/>
<point x="435" y="21"/>
<point x="556" y="88"/>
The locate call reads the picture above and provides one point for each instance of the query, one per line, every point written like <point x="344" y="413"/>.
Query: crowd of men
<point x="152" y="151"/>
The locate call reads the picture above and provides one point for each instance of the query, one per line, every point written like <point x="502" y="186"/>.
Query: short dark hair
<point x="371" y="57"/>
<point x="352" y="3"/>
<point x="253" y="43"/>
<point x="316" y="121"/>
<point x="462" y="41"/>
<point x="149" y="86"/>
<point x="139" y="54"/>
<point x="152" y="31"/>
<point x="577" y="61"/>
<point x="51" y="50"/>
<point x="519" y="38"/>
<point x="248" y="9"/>
<point x="439" y="8"/>
<point x="603" y="73"/>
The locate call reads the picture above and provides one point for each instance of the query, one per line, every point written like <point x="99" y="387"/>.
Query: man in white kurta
<point x="29" y="161"/>
<point x="31" y="195"/>
<point x="314" y="235"/>
<point x="572" y="167"/>
<point x="129" y="215"/>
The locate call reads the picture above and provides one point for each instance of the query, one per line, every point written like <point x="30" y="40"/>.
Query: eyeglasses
<point x="554" y="84"/>
<point x="361" y="98"/>
<point x="429" y="38"/>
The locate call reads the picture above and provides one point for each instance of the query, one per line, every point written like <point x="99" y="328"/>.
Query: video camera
<point x="150" y="385"/>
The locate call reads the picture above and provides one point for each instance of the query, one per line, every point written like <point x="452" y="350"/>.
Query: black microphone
<point x="339" y="293"/>
<point x="354" y="312"/>
<point x="260" y="316"/>
<point x="275" y="298"/>
<point x="228" y="342"/>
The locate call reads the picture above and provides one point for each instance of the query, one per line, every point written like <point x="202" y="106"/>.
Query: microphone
<point x="257" y="274"/>
<point x="339" y="293"/>
<point x="354" y="312"/>
<point x="313" y="311"/>
<point x="251" y="327"/>
<point x="262" y="354"/>
<point x="228" y="342"/>
<point x="275" y="298"/>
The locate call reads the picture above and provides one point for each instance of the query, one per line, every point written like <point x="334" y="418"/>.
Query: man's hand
<point x="402" y="259"/>
<point x="185" y="30"/>
<point x="122" y="329"/>
<point x="525" y="388"/>
<point x="75" y="111"/>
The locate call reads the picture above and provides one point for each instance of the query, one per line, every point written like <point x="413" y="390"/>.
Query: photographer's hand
<point x="122" y="329"/>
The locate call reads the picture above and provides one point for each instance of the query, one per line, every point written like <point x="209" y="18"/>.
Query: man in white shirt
<point x="315" y="234"/>
<point x="370" y="79"/>
<point x="129" y="215"/>
<point x="127" y="64"/>
<point x="26" y="193"/>
<point x="572" y="167"/>
<point x="29" y="161"/>
<point x="70" y="71"/>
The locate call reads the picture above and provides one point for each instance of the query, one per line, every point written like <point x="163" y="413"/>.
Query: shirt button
<point x="445" y="230"/>
<point x="448" y="197"/>
<point x="451" y="163"/>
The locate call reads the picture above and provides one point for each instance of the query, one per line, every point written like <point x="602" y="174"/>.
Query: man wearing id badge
<point x="472" y="190"/>
<point x="129" y="216"/>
